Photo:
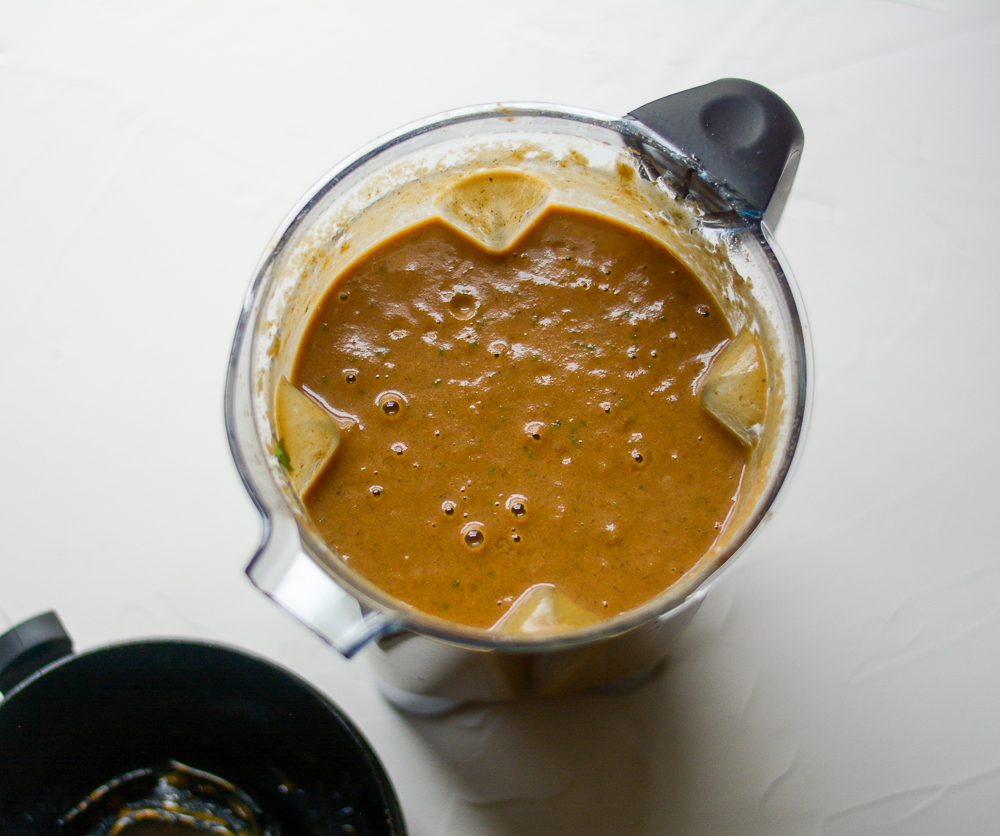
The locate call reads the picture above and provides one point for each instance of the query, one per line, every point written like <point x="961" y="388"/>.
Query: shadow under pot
<point x="173" y="738"/>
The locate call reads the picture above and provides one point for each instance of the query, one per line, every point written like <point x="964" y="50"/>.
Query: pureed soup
<point x="521" y="430"/>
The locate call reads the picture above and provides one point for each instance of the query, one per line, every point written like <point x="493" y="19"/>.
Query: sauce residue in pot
<point x="522" y="425"/>
<point x="174" y="801"/>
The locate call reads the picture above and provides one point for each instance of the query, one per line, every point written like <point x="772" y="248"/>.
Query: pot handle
<point x="30" y="646"/>
<point x="740" y="132"/>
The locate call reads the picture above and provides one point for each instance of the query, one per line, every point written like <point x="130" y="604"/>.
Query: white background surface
<point x="842" y="678"/>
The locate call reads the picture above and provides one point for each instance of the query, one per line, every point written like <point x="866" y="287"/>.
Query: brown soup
<point x="519" y="420"/>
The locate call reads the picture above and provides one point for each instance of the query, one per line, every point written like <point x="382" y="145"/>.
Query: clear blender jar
<point x="707" y="172"/>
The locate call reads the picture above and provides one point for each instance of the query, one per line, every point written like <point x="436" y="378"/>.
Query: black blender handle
<point x="740" y="132"/>
<point x="30" y="646"/>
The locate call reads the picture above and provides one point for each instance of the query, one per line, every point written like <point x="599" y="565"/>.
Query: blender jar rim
<point x="386" y="614"/>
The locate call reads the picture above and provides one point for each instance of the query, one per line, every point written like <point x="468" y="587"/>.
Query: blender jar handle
<point x="29" y="647"/>
<point x="740" y="132"/>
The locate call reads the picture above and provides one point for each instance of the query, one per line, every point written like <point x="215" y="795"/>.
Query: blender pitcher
<point x="709" y="171"/>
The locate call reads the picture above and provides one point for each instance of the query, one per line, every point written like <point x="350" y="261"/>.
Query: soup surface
<point x="519" y="420"/>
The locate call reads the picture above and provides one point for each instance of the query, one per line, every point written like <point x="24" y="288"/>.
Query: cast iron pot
<point x="71" y="723"/>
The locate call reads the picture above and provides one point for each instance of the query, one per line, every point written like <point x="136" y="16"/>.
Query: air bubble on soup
<point x="494" y="207"/>
<point x="544" y="609"/>
<point x="473" y="535"/>
<point x="307" y="434"/>
<point x="463" y="303"/>
<point x="391" y="403"/>
<point x="517" y="505"/>
<point x="735" y="388"/>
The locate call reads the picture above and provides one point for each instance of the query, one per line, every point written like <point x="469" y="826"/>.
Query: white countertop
<point x="842" y="678"/>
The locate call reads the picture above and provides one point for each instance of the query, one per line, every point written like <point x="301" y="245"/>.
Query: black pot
<point x="70" y="725"/>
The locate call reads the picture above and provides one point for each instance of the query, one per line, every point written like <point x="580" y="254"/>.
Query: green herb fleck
<point x="283" y="458"/>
